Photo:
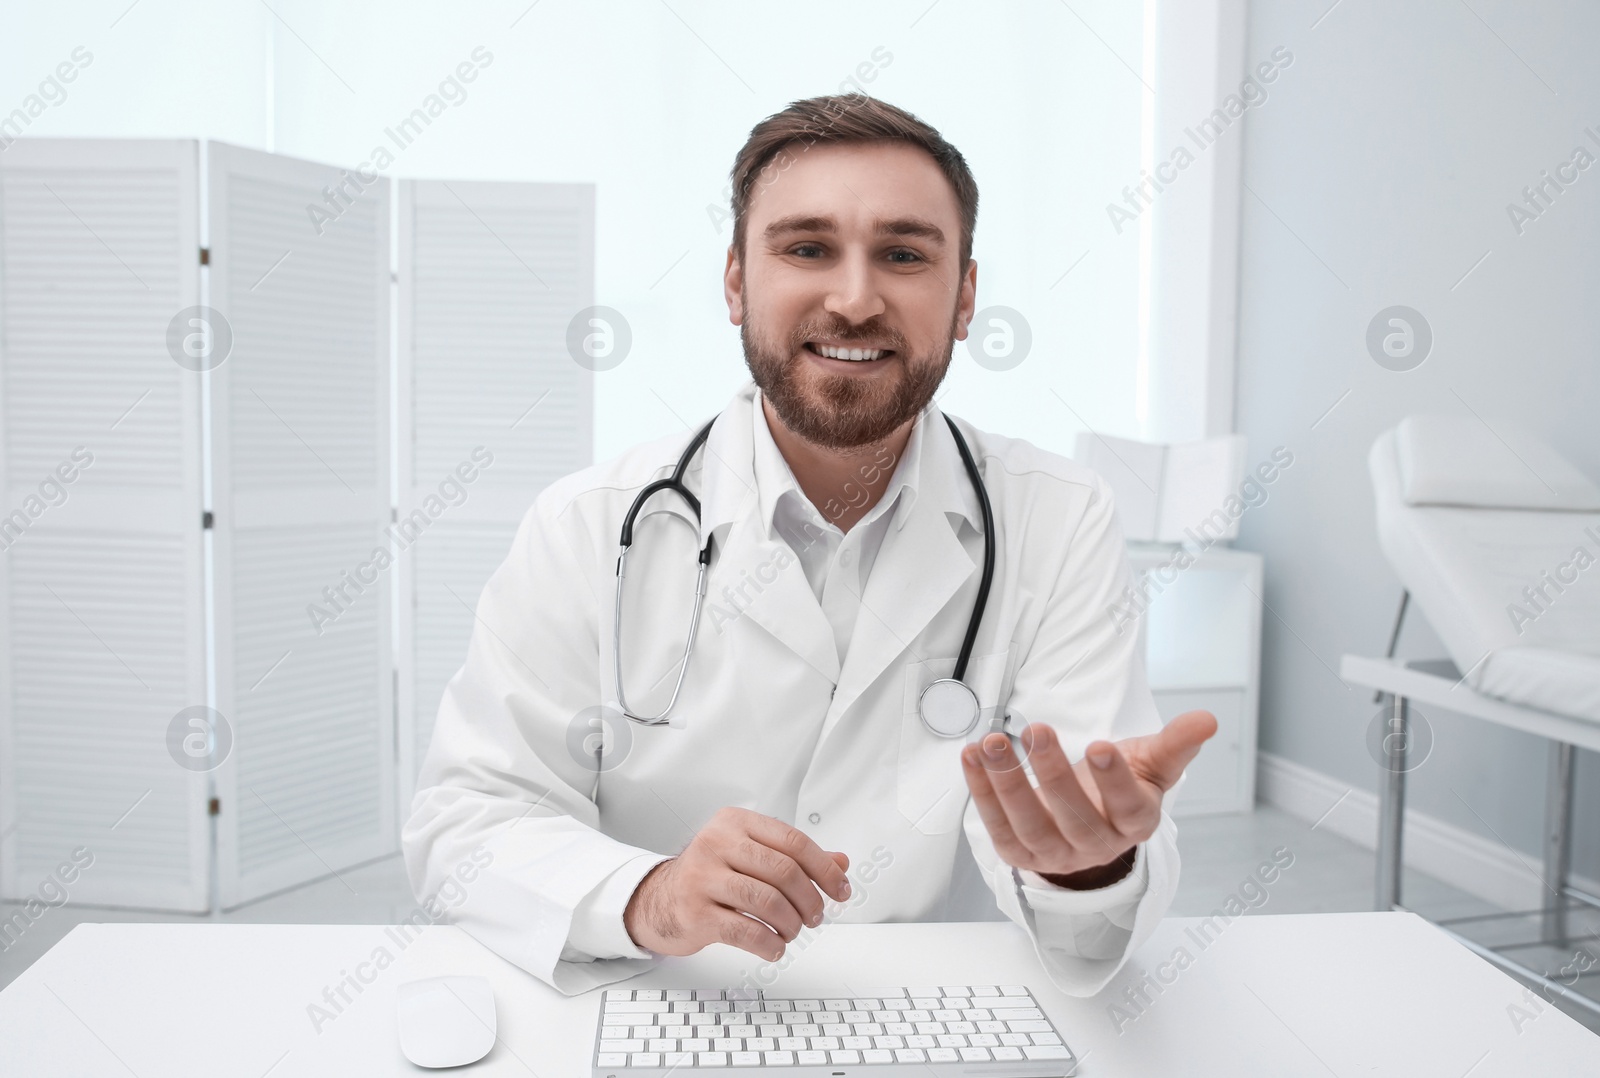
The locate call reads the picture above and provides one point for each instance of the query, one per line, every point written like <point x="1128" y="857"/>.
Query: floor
<point x="1327" y="874"/>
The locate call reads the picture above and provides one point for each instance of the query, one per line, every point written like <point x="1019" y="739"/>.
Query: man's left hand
<point x="1079" y="827"/>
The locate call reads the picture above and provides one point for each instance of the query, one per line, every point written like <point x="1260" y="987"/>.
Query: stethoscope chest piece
<point x="948" y="708"/>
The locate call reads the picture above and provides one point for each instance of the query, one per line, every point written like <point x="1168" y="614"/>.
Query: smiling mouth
<point x="848" y="355"/>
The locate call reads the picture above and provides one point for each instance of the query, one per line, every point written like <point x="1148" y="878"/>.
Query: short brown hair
<point x="845" y="118"/>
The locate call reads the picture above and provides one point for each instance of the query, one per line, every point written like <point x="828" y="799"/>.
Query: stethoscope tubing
<point x="675" y="483"/>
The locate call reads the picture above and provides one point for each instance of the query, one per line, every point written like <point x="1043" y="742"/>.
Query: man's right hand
<point x="739" y="867"/>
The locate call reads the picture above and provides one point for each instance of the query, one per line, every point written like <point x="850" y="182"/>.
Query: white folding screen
<point x="491" y="278"/>
<point x="300" y="459"/>
<point x="102" y="630"/>
<point x="114" y="344"/>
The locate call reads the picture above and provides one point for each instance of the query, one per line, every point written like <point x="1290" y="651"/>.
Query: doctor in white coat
<point x="794" y="781"/>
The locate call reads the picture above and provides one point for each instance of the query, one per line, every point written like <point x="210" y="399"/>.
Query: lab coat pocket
<point x="930" y="790"/>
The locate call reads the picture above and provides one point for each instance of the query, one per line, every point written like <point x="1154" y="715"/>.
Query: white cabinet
<point x="1199" y="617"/>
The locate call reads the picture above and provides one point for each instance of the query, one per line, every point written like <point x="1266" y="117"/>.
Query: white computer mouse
<point x="446" y="1021"/>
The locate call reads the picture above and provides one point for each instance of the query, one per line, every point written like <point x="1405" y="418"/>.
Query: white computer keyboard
<point x="966" y="1030"/>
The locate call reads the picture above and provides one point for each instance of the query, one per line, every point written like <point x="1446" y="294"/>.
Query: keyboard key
<point x="615" y="1033"/>
<point x="955" y="990"/>
<point x="838" y="1005"/>
<point x="844" y="1055"/>
<point x="952" y="1040"/>
<point x="791" y="1044"/>
<point x="677" y="1059"/>
<point x="877" y="1055"/>
<point x="888" y="1042"/>
<point x="744" y="995"/>
<point x="911" y="1055"/>
<point x="629" y="1045"/>
<point x="1008" y="1053"/>
<point x="648" y="993"/>
<point x="825" y="1044"/>
<point x="984" y="1040"/>
<point x="1048" y="1051"/>
<point x="1014" y="990"/>
<point x="1045" y="1038"/>
<point x="619" y="993"/>
<point x="612" y="1059"/>
<point x="811" y="1058"/>
<point x="1010" y="1014"/>
<point x="708" y="993"/>
<point x="985" y="990"/>
<point x="943" y="1055"/>
<point x="857" y="1042"/>
<point x="713" y="1059"/>
<point x="919" y="1041"/>
<point x="746" y="1059"/>
<point x="1015" y="1039"/>
<point x="679" y="993"/>
<point x="780" y="1059"/>
<point x="1029" y="1027"/>
<point x="645" y="1059"/>
<point x="663" y="1044"/>
<point x="695" y="1044"/>
<point x="974" y="1055"/>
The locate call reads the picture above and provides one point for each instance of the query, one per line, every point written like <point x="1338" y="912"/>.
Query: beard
<point x="841" y="411"/>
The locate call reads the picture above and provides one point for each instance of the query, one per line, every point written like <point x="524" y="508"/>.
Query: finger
<point x="841" y="859"/>
<point x="746" y="894"/>
<point x="1006" y="844"/>
<point x="1130" y="806"/>
<point x="1034" y="825"/>
<point x="1167" y="753"/>
<point x="798" y="847"/>
<point x="1070" y="805"/>
<point x="745" y="933"/>
<point x="757" y="861"/>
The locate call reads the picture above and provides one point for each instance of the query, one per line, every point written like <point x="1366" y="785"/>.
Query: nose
<point x="852" y="290"/>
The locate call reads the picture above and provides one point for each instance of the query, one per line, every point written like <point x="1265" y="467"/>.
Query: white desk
<point x="1342" y="994"/>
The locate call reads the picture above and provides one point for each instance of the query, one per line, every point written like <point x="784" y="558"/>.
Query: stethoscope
<point x="947" y="707"/>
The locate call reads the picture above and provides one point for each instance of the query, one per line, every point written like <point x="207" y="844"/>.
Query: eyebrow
<point x="903" y="227"/>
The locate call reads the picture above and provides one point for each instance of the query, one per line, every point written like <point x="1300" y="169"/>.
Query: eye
<point x="800" y="248"/>
<point x="915" y="257"/>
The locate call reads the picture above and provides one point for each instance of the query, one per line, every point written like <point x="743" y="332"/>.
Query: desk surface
<point x="1329" y="994"/>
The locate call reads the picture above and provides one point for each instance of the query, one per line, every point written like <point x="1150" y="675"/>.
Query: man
<point x="846" y="543"/>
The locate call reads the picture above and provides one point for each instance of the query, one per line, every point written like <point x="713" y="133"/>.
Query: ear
<point x="732" y="285"/>
<point x="967" y="298"/>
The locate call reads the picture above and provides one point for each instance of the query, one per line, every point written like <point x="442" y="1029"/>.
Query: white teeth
<point x="854" y="355"/>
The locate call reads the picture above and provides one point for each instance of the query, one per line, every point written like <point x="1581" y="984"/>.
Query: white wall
<point x="1381" y="170"/>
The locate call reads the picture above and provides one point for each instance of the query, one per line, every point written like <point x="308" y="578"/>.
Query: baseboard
<point x="1480" y="866"/>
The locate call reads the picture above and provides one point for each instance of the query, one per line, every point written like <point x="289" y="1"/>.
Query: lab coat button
<point x="815" y="817"/>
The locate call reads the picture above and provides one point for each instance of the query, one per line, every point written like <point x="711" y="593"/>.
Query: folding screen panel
<point x="300" y="429"/>
<point x="102" y="645"/>
<point x="493" y="279"/>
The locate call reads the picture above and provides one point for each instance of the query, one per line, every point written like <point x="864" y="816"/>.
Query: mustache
<point x="868" y="335"/>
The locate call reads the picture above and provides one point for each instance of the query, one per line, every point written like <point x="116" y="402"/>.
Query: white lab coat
<point x="768" y="719"/>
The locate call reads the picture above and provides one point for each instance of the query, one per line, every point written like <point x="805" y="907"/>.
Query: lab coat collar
<point x="917" y="571"/>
